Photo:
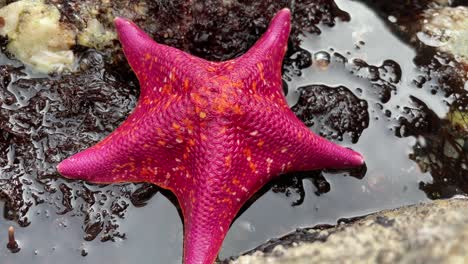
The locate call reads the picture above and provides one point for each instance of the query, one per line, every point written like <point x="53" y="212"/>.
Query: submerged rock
<point x="335" y="111"/>
<point x="429" y="25"/>
<point x="426" y="233"/>
<point x="439" y="39"/>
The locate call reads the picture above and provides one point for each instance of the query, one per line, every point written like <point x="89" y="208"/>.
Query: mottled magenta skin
<point x="211" y="132"/>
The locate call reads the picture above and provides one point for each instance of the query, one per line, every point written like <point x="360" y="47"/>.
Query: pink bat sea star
<point x="213" y="133"/>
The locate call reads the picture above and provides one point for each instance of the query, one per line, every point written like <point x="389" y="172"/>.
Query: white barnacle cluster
<point x="36" y="36"/>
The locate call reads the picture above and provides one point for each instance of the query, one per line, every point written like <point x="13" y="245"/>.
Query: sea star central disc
<point x="213" y="133"/>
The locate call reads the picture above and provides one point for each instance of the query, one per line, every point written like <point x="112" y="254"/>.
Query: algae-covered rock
<point x="459" y="118"/>
<point x="36" y="35"/>
<point x="426" y="233"/>
<point x="447" y="29"/>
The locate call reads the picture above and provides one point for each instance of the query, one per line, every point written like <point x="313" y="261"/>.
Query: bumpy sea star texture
<point x="213" y="133"/>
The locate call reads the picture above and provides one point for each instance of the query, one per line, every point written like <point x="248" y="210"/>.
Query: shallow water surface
<point x="362" y="90"/>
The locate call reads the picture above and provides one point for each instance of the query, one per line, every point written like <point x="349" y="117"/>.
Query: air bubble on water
<point x="322" y="59"/>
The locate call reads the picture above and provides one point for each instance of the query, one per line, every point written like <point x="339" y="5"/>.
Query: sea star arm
<point x="142" y="148"/>
<point x="260" y="67"/>
<point x="216" y="193"/>
<point x="159" y="68"/>
<point x="150" y="140"/>
<point x="311" y="152"/>
<point x="207" y="208"/>
<point x="293" y="147"/>
<point x="289" y="145"/>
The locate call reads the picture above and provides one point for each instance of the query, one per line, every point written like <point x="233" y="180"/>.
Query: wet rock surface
<point x="44" y="119"/>
<point x="425" y="233"/>
<point x="447" y="29"/>
<point x="438" y="38"/>
<point x="440" y="25"/>
<point x="215" y="30"/>
<point x="336" y="110"/>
